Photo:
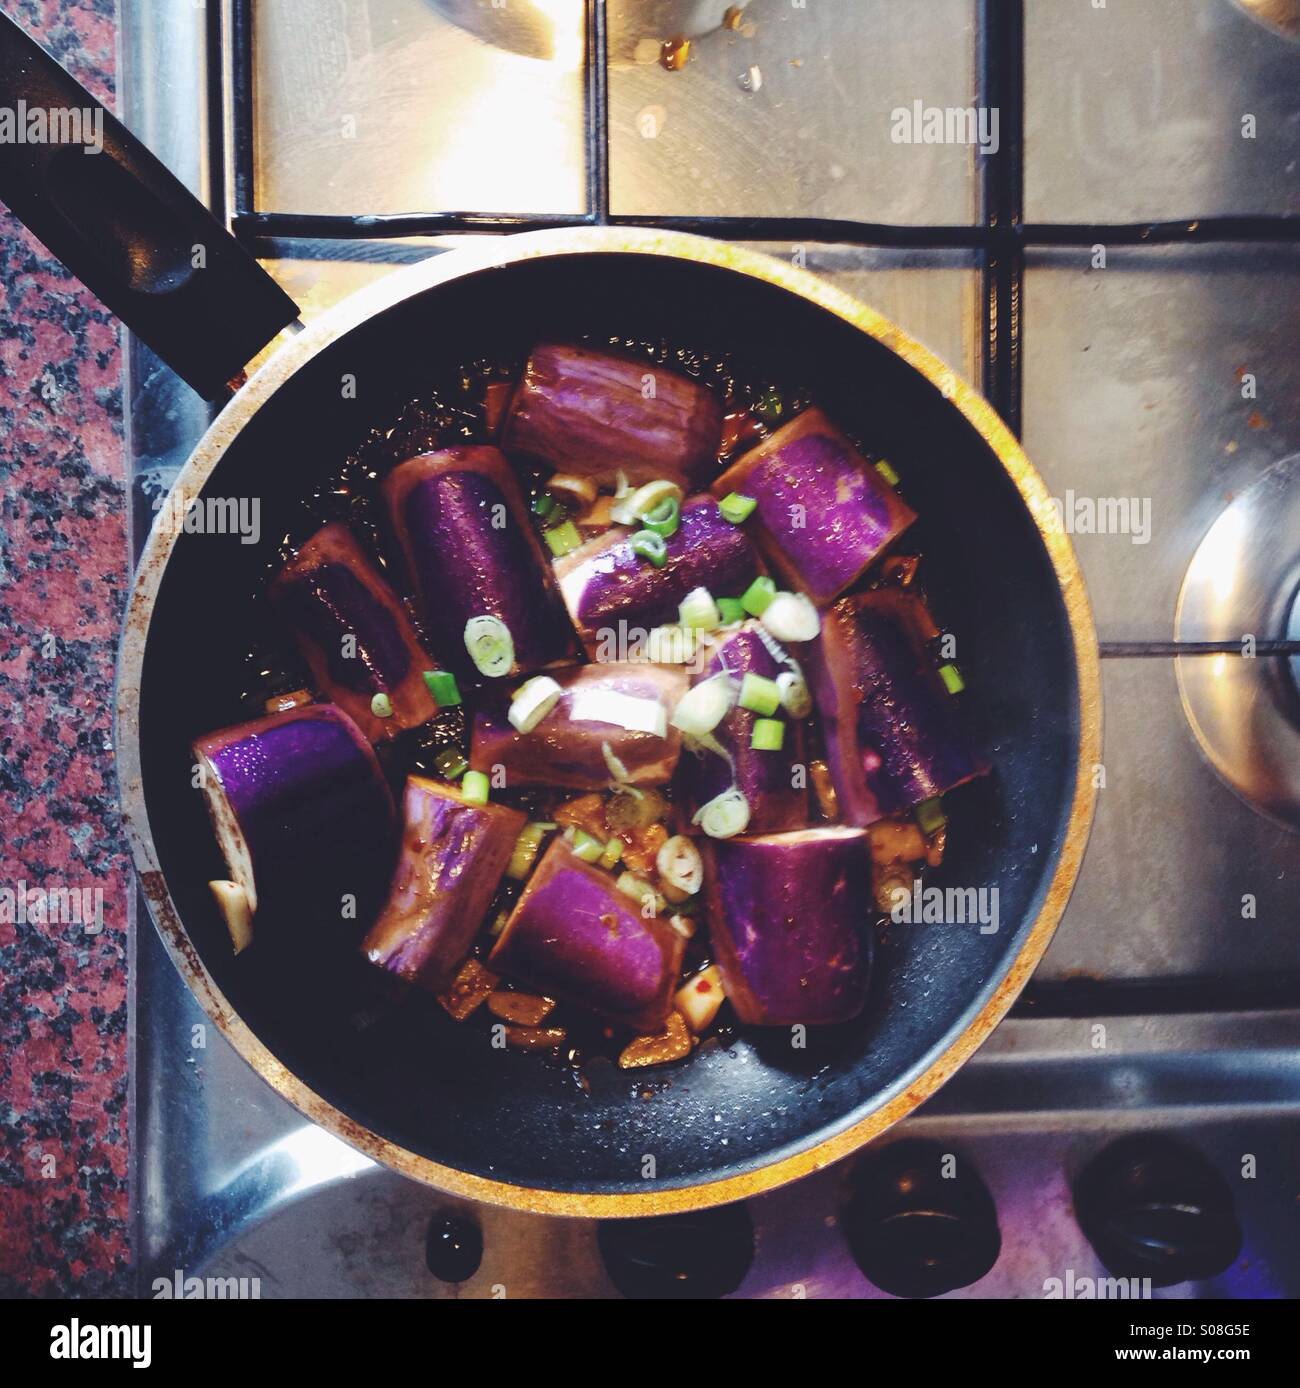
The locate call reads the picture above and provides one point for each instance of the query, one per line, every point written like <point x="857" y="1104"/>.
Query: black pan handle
<point x="129" y="230"/>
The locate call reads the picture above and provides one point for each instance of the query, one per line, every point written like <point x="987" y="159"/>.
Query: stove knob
<point x="702" y="1255"/>
<point x="453" y="1248"/>
<point x="1152" y="1207"/>
<point x="915" y="1231"/>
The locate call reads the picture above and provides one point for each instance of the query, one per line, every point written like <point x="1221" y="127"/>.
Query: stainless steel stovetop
<point x="1120" y="275"/>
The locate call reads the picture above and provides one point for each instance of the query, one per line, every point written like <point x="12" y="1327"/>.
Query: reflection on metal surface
<point x="1243" y="582"/>
<point x="419" y="106"/>
<point x="1283" y="16"/>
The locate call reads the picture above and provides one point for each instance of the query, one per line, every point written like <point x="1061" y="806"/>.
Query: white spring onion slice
<point x="640" y="503"/>
<point x="795" y="698"/>
<point x="704" y="706"/>
<point x="581" y="489"/>
<point x="533" y="700"/>
<point x="628" y="711"/>
<point x="670" y="645"/>
<point x="680" y="865"/>
<point x="640" y="890"/>
<point x="725" y="815"/>
<point x="683" y="925"/>
<point x="791" y="617"/>
<point x="617" y="770"/>
<point x="698" y="610"/>
<point x="490" y="646"/>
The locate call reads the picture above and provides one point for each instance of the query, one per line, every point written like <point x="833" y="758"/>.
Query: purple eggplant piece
<point x="471" y="551"/>
<point x="766" y="779"/>
<point x="824" y="513"/>
<point x="301" y="811"/>
<point x="788" y="918"/>
<point x="573" y="935"/>
<point x="586" y="412"/>
<point x="330" y="591"/>
<point x="893" y="736"/>
<point x="604" y="583"/>
<point x="568" y="751"/>
<point x="451" y="862"/>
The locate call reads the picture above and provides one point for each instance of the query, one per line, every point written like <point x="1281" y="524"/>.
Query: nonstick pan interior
<point x="403" y="1069"/>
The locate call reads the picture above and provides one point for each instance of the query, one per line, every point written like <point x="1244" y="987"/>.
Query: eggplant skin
<point x="452" y="859"/>
<point x="789" y="921"/>
<point x="563" y="751"/>
<point x="824" y="514"/>
<point x="585" y="411"/>
<point x="302" y="812"/>
<point x="606" y="584"/>
<point x="892" y="731"/>
<point x="471" y="551"/>
<point x="331" y="590"/>
<point x="767" y="779"/>
<point x="573" y="935"/>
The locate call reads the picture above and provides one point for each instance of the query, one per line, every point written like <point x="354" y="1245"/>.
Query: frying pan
<point x="404" y="1083"/>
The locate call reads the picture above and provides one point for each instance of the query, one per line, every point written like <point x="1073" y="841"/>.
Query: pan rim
<point x="1002" y="991"/>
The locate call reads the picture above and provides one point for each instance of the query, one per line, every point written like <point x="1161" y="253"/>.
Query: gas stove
<point x="1091" y="211"/>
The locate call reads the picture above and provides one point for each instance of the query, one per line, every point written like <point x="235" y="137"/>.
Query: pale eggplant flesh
<point x="892" y="731"/>
<point x="773" y="783"/>
<point x="824" y="514"/>
<point x="452" y="858"/>
<point x="575" y="936"/>
<point x="471" y="551"/>
<point x="789" y="922"/>
<point x="302" y="813"/>
<point x="591" y="413"/>
<point x="612" y="593"/>
<point x="573" y="746"/>
<point x="354" y="633"/>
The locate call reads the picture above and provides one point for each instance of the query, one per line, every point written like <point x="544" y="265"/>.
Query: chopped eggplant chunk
<point x="354" y="634"/>
<point x="592" y="413"/>
<point x="452" y="859"/>
<point x="892" y="733"/>
<point x="610" y="724"/>
<point x="575" y="936"/>
<point x="487" y="596"/>
<point x="301" y="812"/>
<point x="787" y="921"/>
<point x="823" y="512"/>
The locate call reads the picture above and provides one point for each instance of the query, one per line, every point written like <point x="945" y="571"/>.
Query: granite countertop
<point x="63" y="580"/>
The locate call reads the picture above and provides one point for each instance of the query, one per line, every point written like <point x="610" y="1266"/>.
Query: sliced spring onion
<point x="628" y="711"/>
<point x="474" y="787"/>
<point x="736" y="508"/>
<point x="704" y="706"/>
<point x="731" y="610"/>
<point x="670" y="645"/>
<point x="725" y="815"/>
<point x="533" y="700"/>
<point x="582" y="489"/>
<point x="442" y="685"/>
<point x="525" y="850"/>
<point x="490" y="646"/>
<point x="758" y="595"/>
<point x="770" y="406"/>
<point x="664" y="519"/>
<point x="647" y="545"/>
<point x="639" y="504"/>
<point x="930" y="815"/>
<point x="614" y="765"/>
<point x="952" y="680"/>
<point x="887" y="472"/>
<point x="793" y="690"/>
<point x="587" y="847"/>
<point x="563" y="539"/>
<point x="381" y="705"/>
<point x="698" y="610"/>
<point x="683" y="925"/>
<point x="760" y="695"/>
<point x="543" y="504"/>
<point x="639" y="889"/>
<point x="679" y="863"/>
<point x="767" y="735"/>
<point x="791" y="617"/>
<point x="613" y="851"/>
<point x="451" y="763"/>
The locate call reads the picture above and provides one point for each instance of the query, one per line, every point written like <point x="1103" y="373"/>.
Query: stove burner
<point x="1244" y="580"/>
